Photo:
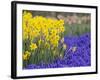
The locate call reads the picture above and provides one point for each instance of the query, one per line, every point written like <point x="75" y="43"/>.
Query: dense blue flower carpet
<point x="78" y="53"/>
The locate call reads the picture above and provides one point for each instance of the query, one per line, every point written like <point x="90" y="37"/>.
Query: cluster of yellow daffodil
<point x="41" y="32"/>
<point x="26" y="55"/>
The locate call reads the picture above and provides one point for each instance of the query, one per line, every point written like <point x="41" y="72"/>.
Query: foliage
<point x="76" y="29"/>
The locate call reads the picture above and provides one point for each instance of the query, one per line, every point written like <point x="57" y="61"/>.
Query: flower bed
<point x="77" y="54"/>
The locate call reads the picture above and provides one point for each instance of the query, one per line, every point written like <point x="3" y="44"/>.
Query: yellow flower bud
<point x="64" y="46"/>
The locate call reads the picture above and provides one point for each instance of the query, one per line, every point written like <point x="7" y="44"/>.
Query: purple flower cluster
<point x="81" y="56"/>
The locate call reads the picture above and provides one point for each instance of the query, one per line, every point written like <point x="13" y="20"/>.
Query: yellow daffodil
<point x="44" y="32"/>
<point x="47" y="45"/>
<point x="26" y="16"/>
<point x="26" y="55"/>
<point x="33" y="46"/>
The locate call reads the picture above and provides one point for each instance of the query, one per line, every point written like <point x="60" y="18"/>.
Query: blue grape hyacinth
<point x="77" y="54"/>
